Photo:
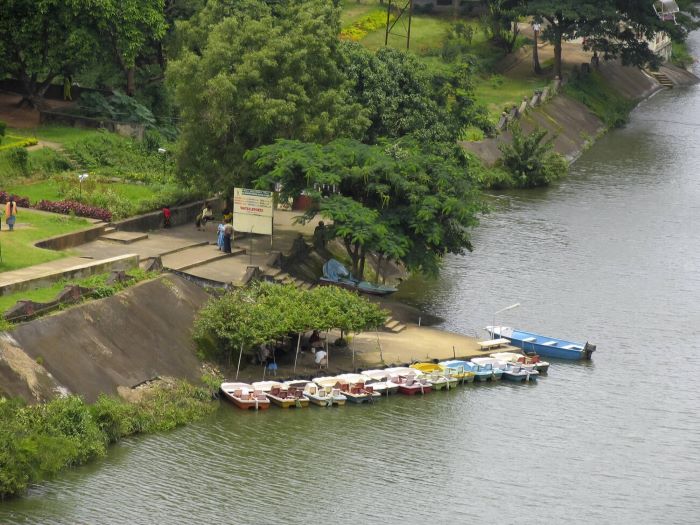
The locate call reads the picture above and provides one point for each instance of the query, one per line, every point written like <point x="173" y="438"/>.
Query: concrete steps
<point x="196" y="256"/>
<point x="662" y="79"/>
<point x="123" y="237"/>
<point x="394" y="326"/>
<point x="282" y="277"/>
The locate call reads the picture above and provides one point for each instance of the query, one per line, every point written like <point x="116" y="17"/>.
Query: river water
<point x="611" y="254"/>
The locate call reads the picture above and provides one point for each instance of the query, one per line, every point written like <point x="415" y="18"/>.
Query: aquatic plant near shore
<point x="38" y="441"/>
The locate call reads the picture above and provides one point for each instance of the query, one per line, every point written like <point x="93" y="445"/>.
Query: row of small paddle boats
<point x="419" y="378"/>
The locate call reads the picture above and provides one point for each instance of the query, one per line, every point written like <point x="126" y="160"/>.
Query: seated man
<point x="320" y="358"/>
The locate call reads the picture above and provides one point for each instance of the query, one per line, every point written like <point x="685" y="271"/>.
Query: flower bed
<point x="22" y="202"/>
<point x="79" y="209"/>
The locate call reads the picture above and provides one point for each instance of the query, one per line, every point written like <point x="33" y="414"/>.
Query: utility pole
<point x="535" y="55"/>
<point x="404" y="15"/>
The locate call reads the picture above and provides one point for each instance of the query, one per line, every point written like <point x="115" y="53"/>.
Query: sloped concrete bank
<point x="574" y="125"/>
<point x="105" y="345"/>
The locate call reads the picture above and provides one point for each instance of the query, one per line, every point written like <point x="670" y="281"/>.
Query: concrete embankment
<point x="573" y="124"/>
<point x="102" y="346"/>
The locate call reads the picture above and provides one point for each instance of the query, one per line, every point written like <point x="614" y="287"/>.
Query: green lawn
<point x="352" y="10"/>
<point x="42" y="295"/>
<point x="48" y="189"/>
<point x="498" y="92"/>
<point x="18" y="250"/>
<point x="427" y="34"/>
<point x="60" y="134"/>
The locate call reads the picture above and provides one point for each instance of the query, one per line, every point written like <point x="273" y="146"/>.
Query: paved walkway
<point x="183" y="247"/>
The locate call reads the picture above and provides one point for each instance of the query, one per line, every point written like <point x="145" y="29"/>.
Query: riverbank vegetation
<point x="592" y="91"/>
<point x="38" y="441"/>
<point x="239" y="321"/>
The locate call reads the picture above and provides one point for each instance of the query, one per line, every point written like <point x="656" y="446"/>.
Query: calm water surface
<point x="611" y="255"/>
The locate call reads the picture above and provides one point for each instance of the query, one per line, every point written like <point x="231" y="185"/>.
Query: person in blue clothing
<point x="220" y="236"/>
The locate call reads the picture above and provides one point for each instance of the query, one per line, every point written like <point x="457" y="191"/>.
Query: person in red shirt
<point x="166" y="216"/>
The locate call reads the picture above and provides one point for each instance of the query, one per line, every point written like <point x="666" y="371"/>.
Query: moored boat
<point x="244" y="396"/>
<point x="287" y="397"/>
<point x="544" y="346"/>
<point x="379" y="380"/>
<point x="436" y="376"/>
<point x="335" y="274"/>
<point x="456" y="368"/>
<point x="489" y="363"/>
<point x="323" y="396"/>
<point x="526" y="361"/>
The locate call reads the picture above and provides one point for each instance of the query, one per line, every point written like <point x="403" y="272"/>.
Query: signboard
<point x="252" y="211"/>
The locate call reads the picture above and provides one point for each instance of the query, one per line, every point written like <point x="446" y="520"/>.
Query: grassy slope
<point x="49" y="190"/>
<point x="427" y="35"/>
<point x="18" y="250"/>
<point x="59" y="134"/>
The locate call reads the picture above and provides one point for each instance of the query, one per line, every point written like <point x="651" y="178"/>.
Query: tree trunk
<point x="455" y="8"/>
<point x="557" y="52"/>
<point x="536" y="57"/>
<point x="362" y="257"/>
<point x="130" y="81"/>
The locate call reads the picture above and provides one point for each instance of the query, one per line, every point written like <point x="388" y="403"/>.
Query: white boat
<point x="378" y="379"/>
<point x="510" y="371"/>
<point x="323" y="396"/>
<point x="244" y="396"/>
<point x="525" y="361"/>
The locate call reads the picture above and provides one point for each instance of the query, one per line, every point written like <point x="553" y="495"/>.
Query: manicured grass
<point x="427" y="34"/>
<point x="18" y="250"/>
<point x="59" y="134"/>
<point x="354" y="10"/>
<point x="49" y="190"/>
<point x="498" y="92"/>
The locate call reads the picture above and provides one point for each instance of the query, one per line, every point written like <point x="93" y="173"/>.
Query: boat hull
<point x="301" y="402"/>
<point x="247" y="404"/>
<point x="414" y="389"/>
<point x="557" y="348"/>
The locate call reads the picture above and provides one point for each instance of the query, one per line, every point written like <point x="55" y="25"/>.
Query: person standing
<point x="228" y="235"/>
<point x="11" y="213"/>
<point x="166" y="216"/>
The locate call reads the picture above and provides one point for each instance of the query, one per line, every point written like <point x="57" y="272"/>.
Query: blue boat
<point x="544" y="346"/>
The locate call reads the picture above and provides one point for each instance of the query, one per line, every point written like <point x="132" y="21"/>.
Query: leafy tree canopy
<point x="393" y="199"/>
<point x="245" y="76"/>
<point x="616" y="28"/>
<point x="266" y="312"/>
<point x="42" y="39"/>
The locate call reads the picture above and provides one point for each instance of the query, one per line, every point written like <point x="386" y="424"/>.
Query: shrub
<point x="19" y="142"/>
<point x="359" y="29"/>
<point x="530" y="159"/>
<point x="22" y="202"/>
<point x="19" y="159"/>
<point x="593" y="91"/>
<point x="77" y="208"/>
<point x="47" y="161"/>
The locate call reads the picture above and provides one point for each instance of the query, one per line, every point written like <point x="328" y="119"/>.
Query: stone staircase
<point x="111" y="234"/>
<point x="196" y="256"/>
<point x="394" y="326"/>
<point x="662" y="79"/>
<point x="280" y="276"/>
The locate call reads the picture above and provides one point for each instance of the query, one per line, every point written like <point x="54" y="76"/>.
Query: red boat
<point x="409" y="385"/>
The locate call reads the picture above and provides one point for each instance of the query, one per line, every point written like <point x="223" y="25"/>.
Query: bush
<point x="37" y="442"/>
<point x="47" y="162"/>
<point x="22" y="202"/>
<point x="19" y="159"/>
<point x="359" y="29"/>
<point x="77" y="208"/>
<point x="530" y="159"/>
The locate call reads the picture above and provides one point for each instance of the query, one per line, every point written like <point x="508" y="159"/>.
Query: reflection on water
<point x="611" y="254"/>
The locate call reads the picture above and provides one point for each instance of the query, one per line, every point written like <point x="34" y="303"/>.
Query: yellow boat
<point x="436" y="375"/>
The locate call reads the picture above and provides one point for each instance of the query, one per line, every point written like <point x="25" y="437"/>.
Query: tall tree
<point x="128" y="27"/>
<point x="41" y="40"/>
<point x="256" y="75"/>
<point x="393" y="199"/>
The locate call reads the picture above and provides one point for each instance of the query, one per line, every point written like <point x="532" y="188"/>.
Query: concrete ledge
<point x="184" y="214"/>
<point x="70" y="240"/>
<point x="40" y="280"/>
